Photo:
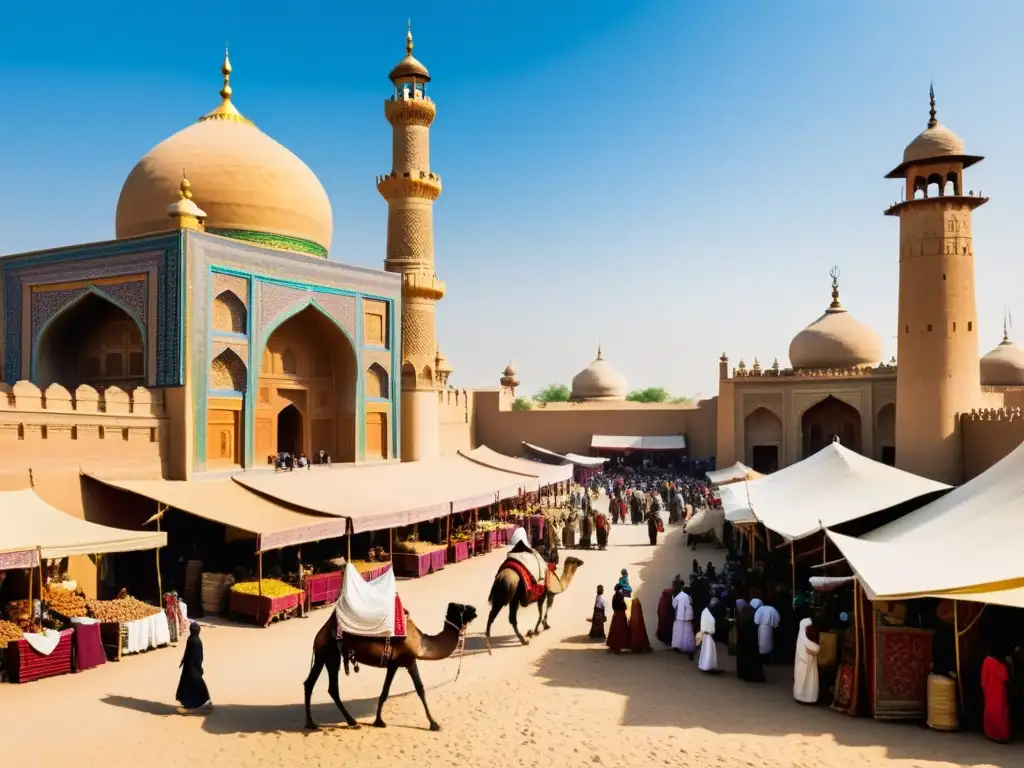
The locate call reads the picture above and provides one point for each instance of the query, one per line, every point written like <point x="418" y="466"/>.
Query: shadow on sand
<point x="226" y="719"/>
<point x="735" y="707"/>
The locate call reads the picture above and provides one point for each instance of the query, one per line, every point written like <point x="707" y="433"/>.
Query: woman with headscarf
<point x="192" y="692"/>
<point x="639" y="642"/>
<point x="805" y="668"/>
<point x="653" y="520"/>
<point x="683" y="638"/>
<point x="586" y="530"/>
<point x="618" y="634"/>
<point x="767" y="620"/>
<point x="598" y="619"/>
<point x="601" y="529"/>
<point x="995" y="679"/>
<point x="708" y="660"/>
<point x="748" y="655"/>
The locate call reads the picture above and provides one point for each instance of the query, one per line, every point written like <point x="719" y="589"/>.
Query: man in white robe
<point x="767" y="620"/>
<point x="708" y="661"/>
<point x="805" y="669"/>
<point x="683" y="638"/>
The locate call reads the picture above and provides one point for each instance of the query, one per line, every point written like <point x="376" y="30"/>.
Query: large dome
<point x="835" y="340"/>
<point x="250" y="187"/>
<point x="1004" y="365"/>
<point x="599" y="381"/>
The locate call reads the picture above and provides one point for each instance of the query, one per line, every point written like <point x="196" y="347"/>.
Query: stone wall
<point x="54" y="427"/>
<point x="988" y="435"/>
<point x="455" y="411"/>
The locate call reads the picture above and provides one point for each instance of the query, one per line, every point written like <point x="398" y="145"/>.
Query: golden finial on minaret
<point x="835" y="305"/>
<point x="184" y="213"/>
<point x="226" y="110"/>
<point x="932" y="122"/>
<point x="599" y="351"/>
<point x="408" y="39"/>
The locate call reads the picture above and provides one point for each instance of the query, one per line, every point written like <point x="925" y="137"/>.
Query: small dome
<point x="251" y="187"/>
<point x="1003" y="366"/>
<point x="410" y="67"/>
<point x="509" y="370"/>
<point x="599" y="381"/>
<point x="933" y="142"/>
<point x="836" y="339"/>
<point x="441" y="363"/>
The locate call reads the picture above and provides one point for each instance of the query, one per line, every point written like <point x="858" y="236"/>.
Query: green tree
<point x="649" y="395"/>
<point x="553" y="393"/>
<point x="682" y="400"/>
<point x="522" y="404"/>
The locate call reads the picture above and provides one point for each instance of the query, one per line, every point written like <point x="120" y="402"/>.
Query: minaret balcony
<point x="410" y="111"/>
<point x="422" y="184"/>
<point x="422" y="285"/>
<point x="971" y="201"/>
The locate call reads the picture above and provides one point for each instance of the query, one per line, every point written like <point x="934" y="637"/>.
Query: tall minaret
<point x="937" y="375"/>
<point x="410" y="190"/>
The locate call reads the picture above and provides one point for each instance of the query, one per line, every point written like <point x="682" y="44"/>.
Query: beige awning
<point x="735" y="473"/>
<point x="543" y="474"/>
<point x="228" y="503"/>
<point x="639" y="442"/>
<point x="28" y="522"/>
<point x="385" y="496"/>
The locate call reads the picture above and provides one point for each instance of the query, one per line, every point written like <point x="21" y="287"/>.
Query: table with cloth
<point x="87" y="646"/>
<point x="144" y="634"/>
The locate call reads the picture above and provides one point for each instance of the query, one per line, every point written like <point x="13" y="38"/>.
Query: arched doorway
<point x="289" y="430"/>
<point x="826" y="420"/>
<point x="762" y="436"/>
<point x="92" y="341"/>
<point x="308" y="363"/>
<point x="885" y="434"/>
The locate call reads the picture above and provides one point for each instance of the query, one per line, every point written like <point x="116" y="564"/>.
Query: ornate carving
<point x="275" y="299"/>
<point x="1008" y="413"/>
<point x="410" y="111"/>
<point x="421" y="184"/>
<point x="410" y="237"/>
<point x="122" y="258"/>
<point x="237" y="285"/>
<point x="229" y="313"/>
<point x="227" y="372"/>
<point x="418" y="333"/>
<point x="47" y="304"/>
<point x="411" y="150"/>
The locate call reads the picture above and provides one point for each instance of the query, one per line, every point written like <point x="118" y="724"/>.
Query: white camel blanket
<point x="532" y="562"/>
<point x="369" y="608"/>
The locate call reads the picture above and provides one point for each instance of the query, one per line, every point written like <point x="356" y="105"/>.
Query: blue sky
<point x="671" y="179"/>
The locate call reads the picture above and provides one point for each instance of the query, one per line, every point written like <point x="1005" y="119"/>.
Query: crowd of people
<point x="287" y="462"/>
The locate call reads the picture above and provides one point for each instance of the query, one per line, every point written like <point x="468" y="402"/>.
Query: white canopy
<point x="965" y="545"/>
<point x="535" y="474"/>
<point x="735" y="473"/>
<point x="735" y="503"/>
<point x="639" y="443"/>
<point x="834" y="486"/>
<point x="28" y="522"/>
<point x="572" y="458"/>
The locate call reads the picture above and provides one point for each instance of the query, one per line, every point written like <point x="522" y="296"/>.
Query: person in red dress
<point x="995" y="677"/>
<point x="640" y="642"/>
<point x="619" y="638"/>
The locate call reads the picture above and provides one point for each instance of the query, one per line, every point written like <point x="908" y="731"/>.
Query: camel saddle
<point x="369" y="608"/>
<point x="537" y="575"/>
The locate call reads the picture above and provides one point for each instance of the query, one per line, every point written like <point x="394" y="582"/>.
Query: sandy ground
<point x="560" y="701"/>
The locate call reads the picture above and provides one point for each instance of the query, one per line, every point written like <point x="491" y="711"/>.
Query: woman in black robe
<point x="748" y="654"/>
<point x="192" y="691"/>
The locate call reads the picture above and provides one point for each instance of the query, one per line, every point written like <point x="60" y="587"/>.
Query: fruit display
<point x="18" y="611"/>
<point x="64" y="601"/>
<point x="416" y="547"/>
<point x="121" y="610"/>
<point x="9" y="633"/>
<point x="268" y="588"/>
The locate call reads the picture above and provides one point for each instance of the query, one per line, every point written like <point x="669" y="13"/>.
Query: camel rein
<point x="462" y="645"/>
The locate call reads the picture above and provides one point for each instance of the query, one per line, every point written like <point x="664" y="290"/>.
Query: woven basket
<point x="942" y="714"/>
<point x="214" y="592"/>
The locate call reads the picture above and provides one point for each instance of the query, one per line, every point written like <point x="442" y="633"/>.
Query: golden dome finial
<point x="226" y="110"/>
<point x="185" y="190"/>
<point x="1006" y="326"/>
<point x="408" y="39"/>
<point x="834" y="274"/>
<point x="599" y="351"/>
<point x="932" y="122"/>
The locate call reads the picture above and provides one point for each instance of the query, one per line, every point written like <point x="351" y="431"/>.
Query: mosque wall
<point x="246" y="294"/>
<point x="569" y="427"/>
<point x="988" y="435"/>
<point x="50" y="296"/>
<point x="456" y="420"/>
<point x="42" y="429"/>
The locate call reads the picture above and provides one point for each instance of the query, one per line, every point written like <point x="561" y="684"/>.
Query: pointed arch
<point x="228" y="372"/>
<point x="229" y="313"/>
<point x="94" y="339"/>
<point x="377" y="382"/>
<point x="427" y="376"/>
<point x="763" y="438"/>
<point x="408" y="375"/>
<point x="830" y="417"/>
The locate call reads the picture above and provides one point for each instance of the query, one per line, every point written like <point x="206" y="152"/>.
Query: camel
<point x="508" y="589"/>
<point x="390" y="653"/>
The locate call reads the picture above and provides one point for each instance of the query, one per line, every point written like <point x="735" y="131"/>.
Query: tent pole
<point x="391" y="540"/>
<point x="956" y="639"/>
<point x="160" y="509"/>
<point x="348" y="541"/>
<point x="31" y="613"/>
<point x="448" y="526"/>
<point x="259" y="572"/>
<point x="792" y="565"/>
<point x="42" y="581"/>
<point x="856" y="648"/>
